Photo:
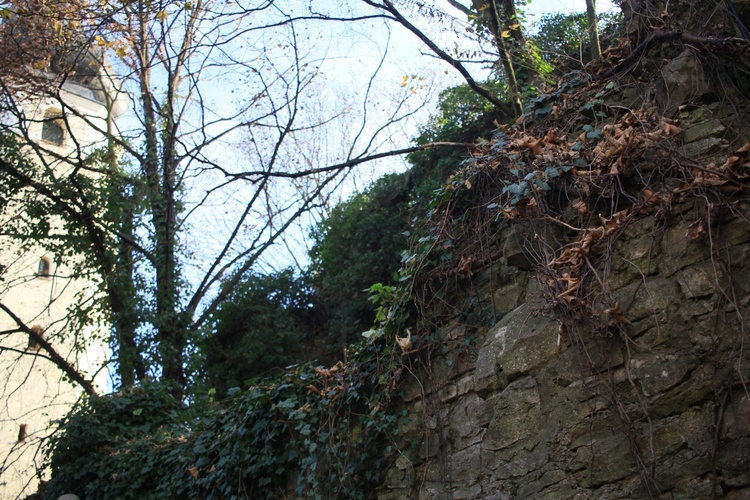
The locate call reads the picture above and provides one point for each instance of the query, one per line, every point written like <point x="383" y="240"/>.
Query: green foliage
<point x="463" y="116"/>
<point x="106" y="448"/>
<point x="267" y="319"/>
<point x="362" y="241"/>
<point x="309" y="433"/>
<point x="262" y="325"/>
<point x="530" y="182"/>
<point x="381" y="296"/>
<point x="357" y="245"/>
<point x="562" y="39"/>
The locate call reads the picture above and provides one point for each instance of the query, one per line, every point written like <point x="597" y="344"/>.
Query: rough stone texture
<point x="643" y="394"/>
<point x="657" y="409"/>
<point x="684" y="81"/>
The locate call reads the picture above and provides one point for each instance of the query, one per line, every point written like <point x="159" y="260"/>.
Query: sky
<point x="539" y="7"/>
<point x="358" y="52"/>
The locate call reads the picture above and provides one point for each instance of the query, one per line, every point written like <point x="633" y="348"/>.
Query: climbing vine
<point x="329" y="425"/>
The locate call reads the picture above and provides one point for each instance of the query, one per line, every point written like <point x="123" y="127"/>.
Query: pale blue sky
<point x="539" y="7"/>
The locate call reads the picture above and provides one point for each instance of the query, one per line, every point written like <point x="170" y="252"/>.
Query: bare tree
<point x="152" y="219"/>
<point x="217" y="114"/>
<point x="498" y="22"/>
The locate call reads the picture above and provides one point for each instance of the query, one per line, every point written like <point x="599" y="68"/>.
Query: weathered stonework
<point x="544" y="412"/>
<point x="545" y="405"/>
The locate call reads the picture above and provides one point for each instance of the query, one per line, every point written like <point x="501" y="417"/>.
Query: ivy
<point x="324" y="426"/>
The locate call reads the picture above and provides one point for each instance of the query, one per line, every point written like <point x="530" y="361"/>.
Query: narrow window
<point x="52" y="128"/>
<point x="33" y="343"/>
<point x="43" y="270"/>
<point x="22" y="433"/>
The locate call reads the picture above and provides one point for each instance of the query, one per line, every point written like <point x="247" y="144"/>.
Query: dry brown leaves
<point x="626" y="140"/>
<point x="571" y="262"/>
<point x="333" y="383"/>
<point x="404" y="342"/>
<point x="697" y="230"/>
<point x="729" y="177"/>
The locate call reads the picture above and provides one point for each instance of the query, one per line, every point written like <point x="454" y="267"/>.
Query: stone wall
<point x="538" y="403"/>
<point x="540" y="410"/>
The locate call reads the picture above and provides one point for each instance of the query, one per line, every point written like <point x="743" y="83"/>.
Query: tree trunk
<point x="596" y="49"/>
<point x="123" y="304"/>
<point x="495" y="23"/>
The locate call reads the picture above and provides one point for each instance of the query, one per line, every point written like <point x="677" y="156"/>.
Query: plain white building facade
<point x="39" y="288"/>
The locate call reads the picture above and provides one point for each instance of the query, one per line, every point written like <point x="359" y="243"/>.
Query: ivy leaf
<point x="594" y="134"/>
<point x="543" y="111"/>
<point x="518" y="189"/>
<point x="137" y="411"/>
<point x="373" y="334"/>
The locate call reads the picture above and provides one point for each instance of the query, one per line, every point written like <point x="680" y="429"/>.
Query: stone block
<point x="686" y="431"/>
<point x="431" y="446"/>
<point x="700" y="280"/>
<point x="633" y="259"/>
<point x="697" y="389"/>
<point x="732" y="459"/>
<point x="468" y="420"/>
<point x="520" y="462"/>
<point x="657" y="373"/>
<point x="531" y="487"/>
<point x="735" y="231"/>
<point x="675" y="469"/>
<point x="506" y="298"/>
<point x="466" y="465"/>
<point x="647" y="297"/>
<point x="693" y="488"/>
<point x="605" y="457"/>
<point x="736" y="422"/>
<point x="679" y="250"/>
<point x="703" y="130"/>
<point x="576" y="362"/>
<point x="472" y="491"/>
<point x="412" y="386"/>
<point x="704" y="147"/>
<point x="523" y="340"/>
<point x="465" y="385"/>
<point x="683" y="81"/>
<point x="516" y="416"/>
<point x="448" y="392"/>
<point x="740" y="494"/>
<point x="566" y="367"/>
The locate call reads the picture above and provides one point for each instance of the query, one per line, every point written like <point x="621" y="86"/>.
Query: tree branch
<point x="53" y="355"/>
<point x="388" y="7"/>
<point x="461" y="7"/>
<point x="355" y="161"/>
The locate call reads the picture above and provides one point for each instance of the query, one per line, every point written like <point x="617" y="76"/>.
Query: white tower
<point x="38" y="288"/>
